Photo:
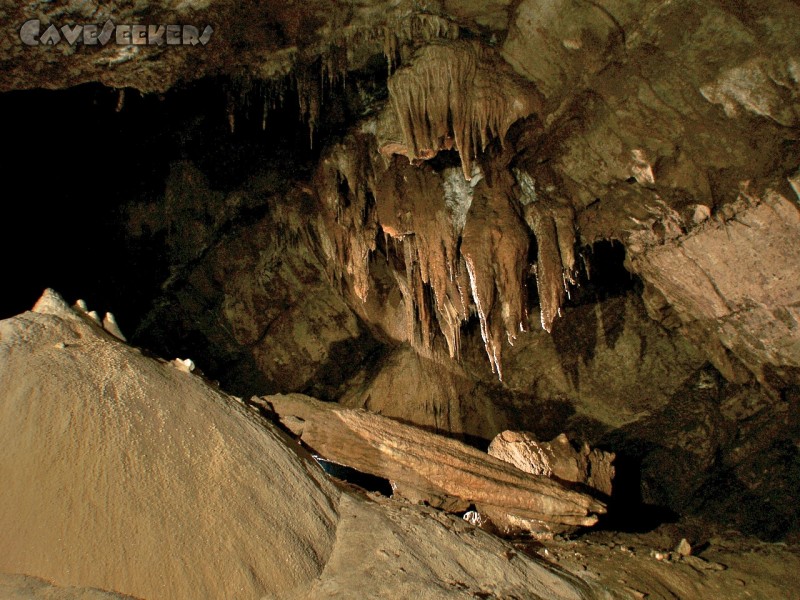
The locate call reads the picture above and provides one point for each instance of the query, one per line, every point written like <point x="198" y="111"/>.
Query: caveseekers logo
<point x="31" y="34"/>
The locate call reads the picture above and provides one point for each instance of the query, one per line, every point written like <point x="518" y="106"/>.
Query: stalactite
<point x="309" y="94"/>
<point x="460" y="243"/>
<point x="251" y="99"/>
<point x="333" y="65"/>
<point x="553" y="225"/>
<point x="231" y="113"/>
<point x="495" y="248"/>
<point x="345" y="184"/>
<point x="456" y="94"/>
<point x="412" y="208"/>
<point x="390" y="48"/>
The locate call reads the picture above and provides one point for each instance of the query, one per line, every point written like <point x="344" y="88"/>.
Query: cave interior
<point x="574" y="219"/>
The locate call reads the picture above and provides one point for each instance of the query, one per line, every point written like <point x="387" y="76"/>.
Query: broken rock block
<point x="432" y="468"/>
<point x="556" y="458"/>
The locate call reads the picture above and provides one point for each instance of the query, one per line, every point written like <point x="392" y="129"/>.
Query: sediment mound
<point x="124" y="473"/>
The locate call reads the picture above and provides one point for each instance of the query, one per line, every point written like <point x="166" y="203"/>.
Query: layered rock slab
<point x="437" y="469"/>
<point x="556" y="458"/>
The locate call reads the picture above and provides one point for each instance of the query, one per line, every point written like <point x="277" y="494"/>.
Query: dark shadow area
<point x="627" y="511"/>
<point x="344" y="360"/>
<point x="602" y="274"/>
<point x="82" y="153"/>
<point x="690" y="459"/>
<point x="546" y="419"/>
<point x="89" y="157"/>
<point x="370" y="483"/>
<point x="475" y="441"/>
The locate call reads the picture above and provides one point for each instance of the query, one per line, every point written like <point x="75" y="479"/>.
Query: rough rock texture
<point x="604" y="365"/>
<point x="556" y="458"/>
<point x="120" y="467"/>
<point x="246" y="298"/>
<point x="724" y="452"/>
<point x="262" y="42"/>
<point x="423" y="392"/>
<point x="734" y="281"/>
<point x="670" y="127"/>
<point x="20" y="587"/>
<point x="432" y="467"/>
<point x="458" y="95"/>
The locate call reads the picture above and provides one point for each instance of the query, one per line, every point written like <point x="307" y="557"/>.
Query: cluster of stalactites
<point x="251" y="99"/>
<point x="455" y="94"/>
<point x="463" y="245"/>
<point x="415" y="28"/>
<point x="495" y="248"/>
<point x="311" y="81"/>
<point x="327" y="65"/>
<point x="553" y="224"/>
<point x="424" y="217"/>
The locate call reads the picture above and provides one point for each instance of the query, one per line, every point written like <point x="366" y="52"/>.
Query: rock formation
<point x="428" y="467"/>
<point x="120" y="467"/>
<point x="125" y="474"/>
<point x="557" y="459"/>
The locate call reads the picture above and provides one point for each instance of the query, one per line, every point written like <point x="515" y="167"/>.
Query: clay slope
<point x="126" y="474"/>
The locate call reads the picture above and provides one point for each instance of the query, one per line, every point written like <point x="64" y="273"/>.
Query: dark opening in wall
<point x="78" y="159"/>
<point x="84" y="153"/>
<point x="370" y="483"/>
<point x="602" y="274"/>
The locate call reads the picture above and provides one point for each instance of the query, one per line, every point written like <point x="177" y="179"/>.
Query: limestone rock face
<point x="735" y="280"/>
<point x="427" y="393"/>
<point x="259" y="42"/>
<point x="248" y="300"/>
<point x="556" y="459"/>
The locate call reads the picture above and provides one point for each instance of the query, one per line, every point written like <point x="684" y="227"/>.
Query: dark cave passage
<point x="84" y="154"/>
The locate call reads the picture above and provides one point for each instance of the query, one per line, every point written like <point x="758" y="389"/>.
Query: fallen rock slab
<point x="432" y="465"/>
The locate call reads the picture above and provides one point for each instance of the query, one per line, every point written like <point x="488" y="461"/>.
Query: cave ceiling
<point x="666" y="126"/>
